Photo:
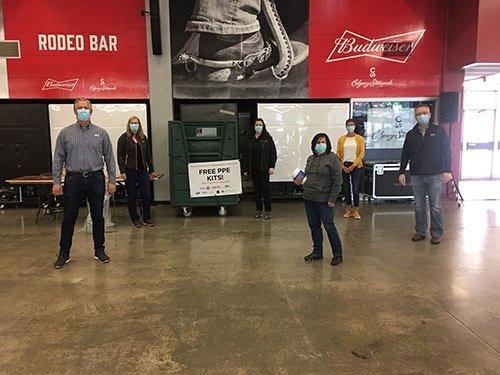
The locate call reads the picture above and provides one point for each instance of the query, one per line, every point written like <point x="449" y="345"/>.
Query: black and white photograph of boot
<point x="237" y="49"/>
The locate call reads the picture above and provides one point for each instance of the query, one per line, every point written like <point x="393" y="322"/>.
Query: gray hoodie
<point x="324" y="178"/>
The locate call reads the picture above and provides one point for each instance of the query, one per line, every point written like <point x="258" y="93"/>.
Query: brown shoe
<point x="417" y="237"/>
<point x="435" y="240"/>
<point x="355" y="213"/>
<point x="348" y="213"/>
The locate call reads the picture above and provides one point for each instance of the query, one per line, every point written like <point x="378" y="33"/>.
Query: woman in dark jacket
<point x="136" y="168"/>
<point x="322" y="184"/>
<point x="259" y="161"/>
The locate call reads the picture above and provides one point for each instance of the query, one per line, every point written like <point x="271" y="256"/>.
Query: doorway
<point x="481" y="135"/>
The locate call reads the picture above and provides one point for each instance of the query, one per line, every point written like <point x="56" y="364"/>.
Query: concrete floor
<point x="234" y="296"/>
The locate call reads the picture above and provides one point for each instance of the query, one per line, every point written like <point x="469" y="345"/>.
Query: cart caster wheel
<point x="187" y="211"/>
<point x="222" y="211"/>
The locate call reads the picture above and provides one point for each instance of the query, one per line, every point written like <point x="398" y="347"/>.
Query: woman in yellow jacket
<point x="351" y="151"/>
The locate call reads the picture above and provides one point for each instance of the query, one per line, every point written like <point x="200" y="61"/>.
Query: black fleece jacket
<point x="127" y="157"/>
<point x="427" y="155"/>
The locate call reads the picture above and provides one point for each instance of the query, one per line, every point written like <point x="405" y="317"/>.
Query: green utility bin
<point x="195" y="143"/>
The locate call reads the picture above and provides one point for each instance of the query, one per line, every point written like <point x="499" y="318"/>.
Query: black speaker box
<point x="154" y="9"/>
<point x="448" y="107"/>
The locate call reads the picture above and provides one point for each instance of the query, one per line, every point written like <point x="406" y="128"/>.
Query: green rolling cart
<point x="195" y="143"/>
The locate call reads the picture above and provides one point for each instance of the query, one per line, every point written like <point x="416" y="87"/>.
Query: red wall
<point x="461" y="33"/>
<point x="488" y="32"/>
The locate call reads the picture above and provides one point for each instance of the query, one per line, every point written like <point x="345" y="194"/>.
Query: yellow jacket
<point x="360" y="149"/>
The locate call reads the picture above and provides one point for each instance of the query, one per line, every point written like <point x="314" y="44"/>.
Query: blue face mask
<point x="83" y="114"/>
<point x="320" y="148"/>
<point x="259" y="128"/>
<point x="423" y="119"/>
<point x="350" y="128"/>
<point x="134" y="127"/>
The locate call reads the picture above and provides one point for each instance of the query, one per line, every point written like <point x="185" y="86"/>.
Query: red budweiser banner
<point x="59" y="49"/>
<point x="367" y="48"/>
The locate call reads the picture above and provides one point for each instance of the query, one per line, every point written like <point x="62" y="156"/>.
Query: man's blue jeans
<point x="432" y="186"/>
<point x="225" y="17"/>
<point x="317" y="213"/>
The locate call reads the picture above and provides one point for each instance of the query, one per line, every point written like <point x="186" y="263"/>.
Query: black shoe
<point x="149" y="223"/>
<point x="259" y="214"/>
<point x="267" y="216"/>
<point x="312" y="257"/>
<point x="61" y="261"/>
<point x="136" y="224"/>
<point x="101" y="256"/>
<point x="336" y="261"/>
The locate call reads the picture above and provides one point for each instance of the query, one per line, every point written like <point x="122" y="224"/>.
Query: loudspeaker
<point x="448" y="106"/>
<point x="154" y="12"/>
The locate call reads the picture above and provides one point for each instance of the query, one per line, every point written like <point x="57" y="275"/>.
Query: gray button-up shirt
<point x="83" y="149"/>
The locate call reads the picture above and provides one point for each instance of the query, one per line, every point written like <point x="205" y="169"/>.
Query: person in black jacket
<point x="136" y="168"/>
<point x="259" y="161"/>
<point x="427" y="148"/>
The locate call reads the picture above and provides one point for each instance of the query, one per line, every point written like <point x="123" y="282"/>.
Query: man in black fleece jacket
<point x="427" y="148"/>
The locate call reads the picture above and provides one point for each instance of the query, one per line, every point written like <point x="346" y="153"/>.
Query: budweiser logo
<point x="52" y="84"/>
<point x="397" y="48"/>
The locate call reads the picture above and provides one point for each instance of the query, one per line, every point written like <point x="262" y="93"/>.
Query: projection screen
<point x="111" y="116"/>
<point x="293" y="125"/>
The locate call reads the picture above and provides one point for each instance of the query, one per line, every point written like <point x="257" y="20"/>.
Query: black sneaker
<point x="61" y="261"/>
<point x="336" y="261"/>
<point x="259" y="214"/>
<point x="101" y="256"/>
<point x="267" y="216"/>
<point x="312" y="257"/>
<point x="136" y="224"/>
<point x="149" y="223"/>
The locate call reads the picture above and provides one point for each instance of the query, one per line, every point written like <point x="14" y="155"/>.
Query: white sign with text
<point x="214" y="178"/>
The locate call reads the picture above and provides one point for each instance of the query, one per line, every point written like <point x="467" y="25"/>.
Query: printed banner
<point x="57" y="49"/>
<point x="239" y="49"/>
<point x="214" y="178"/>
<point x="307" y="49"/>
<point x="367" y="49"/>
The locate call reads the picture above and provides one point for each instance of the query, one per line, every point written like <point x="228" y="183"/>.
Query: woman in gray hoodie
<point x="322" y="184"/>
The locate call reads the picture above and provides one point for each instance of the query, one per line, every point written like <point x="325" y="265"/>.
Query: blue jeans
<point x="351" y="186"/>
<point x="138" y="179"/>
<point x="317" y="213"/>
<point x="432" y="186"/>
<point x="225" y="17"/>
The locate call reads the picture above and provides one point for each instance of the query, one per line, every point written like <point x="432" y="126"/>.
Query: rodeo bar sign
<point x="215" y="178"/>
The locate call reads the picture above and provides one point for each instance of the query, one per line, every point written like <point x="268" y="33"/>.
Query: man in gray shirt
<point x="82" y="149"/>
